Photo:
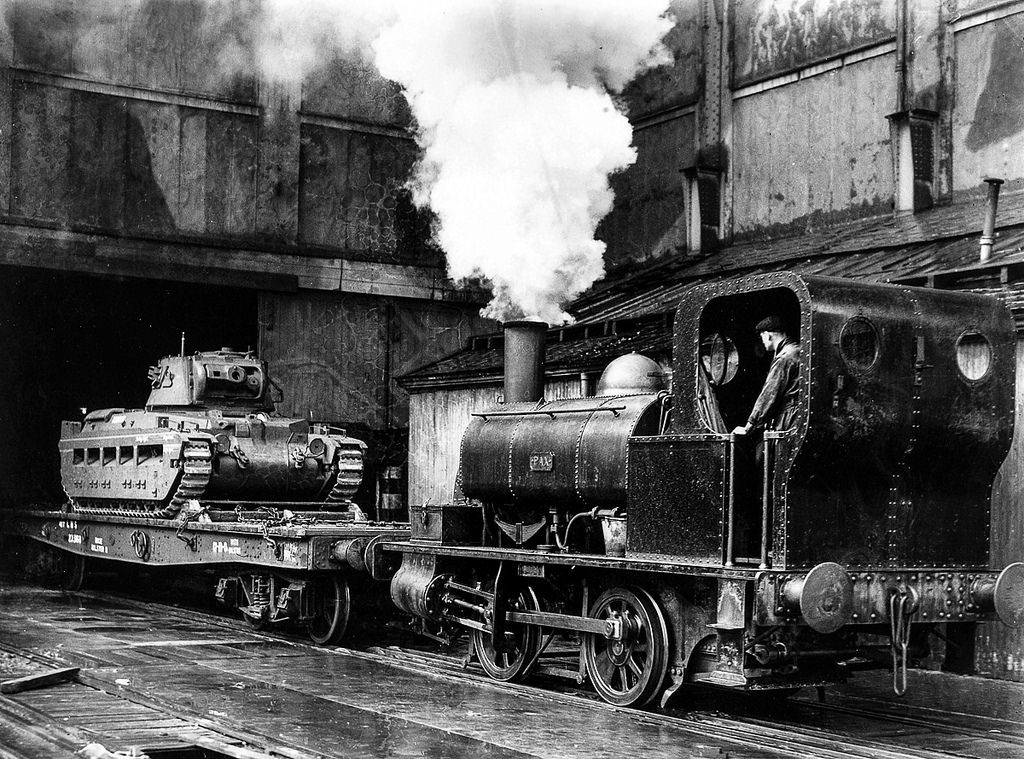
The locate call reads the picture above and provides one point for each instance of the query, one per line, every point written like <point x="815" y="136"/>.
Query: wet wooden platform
<point x="158" y="679"/>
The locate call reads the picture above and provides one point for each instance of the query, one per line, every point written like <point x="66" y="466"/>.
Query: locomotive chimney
<point x="988" y="233"/>
<point x="524" y="360"/>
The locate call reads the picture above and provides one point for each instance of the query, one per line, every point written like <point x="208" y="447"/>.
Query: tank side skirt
<point x="196" y="471"/>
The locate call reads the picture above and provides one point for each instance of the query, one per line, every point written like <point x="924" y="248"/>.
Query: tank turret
<point x="217" y="379"/>
<point x="208" y="431"/>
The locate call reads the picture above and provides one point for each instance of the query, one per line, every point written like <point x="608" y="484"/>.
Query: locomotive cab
<point x="731" y="370"/>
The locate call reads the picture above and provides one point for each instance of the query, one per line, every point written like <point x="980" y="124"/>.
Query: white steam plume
<point x="515" y="116"/>
<point x="520" y="132"/>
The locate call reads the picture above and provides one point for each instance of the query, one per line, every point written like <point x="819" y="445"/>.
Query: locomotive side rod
<point x="608" y="628"/>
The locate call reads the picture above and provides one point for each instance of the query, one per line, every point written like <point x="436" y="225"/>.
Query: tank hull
<point x="152" y="463"/>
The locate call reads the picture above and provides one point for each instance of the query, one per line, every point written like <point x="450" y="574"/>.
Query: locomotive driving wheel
<point x="522" y="643"/>
<point x="330" y="606"/>
<point x="631" y="670"/>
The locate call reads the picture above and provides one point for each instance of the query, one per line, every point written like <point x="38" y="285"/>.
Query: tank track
<point x="349" y="468"/>
<point x="196" y="466"/>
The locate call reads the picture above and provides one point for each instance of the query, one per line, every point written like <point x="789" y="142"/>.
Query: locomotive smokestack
<point x="524" y="360"/>
<point x="988" y="233"/>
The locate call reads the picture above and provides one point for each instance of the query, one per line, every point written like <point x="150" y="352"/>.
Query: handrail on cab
<point x="771" y="440"/>
<point x="550" y="412"/>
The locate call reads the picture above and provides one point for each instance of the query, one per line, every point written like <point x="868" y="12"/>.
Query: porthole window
<point x="858" y="342"/>
<point x="720" y="358"/>
<point x="973" y="355"/>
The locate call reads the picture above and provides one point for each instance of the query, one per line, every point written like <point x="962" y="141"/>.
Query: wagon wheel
<point x="63" y="569"/>
<point x="330" y="606"/>
<point x="628" y="672"/>
<point x="260" y="590"/>
<point x="256" y="624"/>
<point x="522" y="642"/>
<point x="70" y="571"/>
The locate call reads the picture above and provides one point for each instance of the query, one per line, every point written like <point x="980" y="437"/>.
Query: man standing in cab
<point x="776" y="406"/>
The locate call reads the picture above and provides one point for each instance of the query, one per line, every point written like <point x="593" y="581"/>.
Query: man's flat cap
<point x="770" y="324"/>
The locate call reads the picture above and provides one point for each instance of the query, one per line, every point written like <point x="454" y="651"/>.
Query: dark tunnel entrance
<point x="71" y="341"/>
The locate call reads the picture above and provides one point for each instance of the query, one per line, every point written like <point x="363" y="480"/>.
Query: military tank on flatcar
<point x="208" y="431"/>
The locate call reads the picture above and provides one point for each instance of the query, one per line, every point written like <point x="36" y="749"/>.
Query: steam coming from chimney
<point x="520" y="133"/>
<point x="514" y="112"/>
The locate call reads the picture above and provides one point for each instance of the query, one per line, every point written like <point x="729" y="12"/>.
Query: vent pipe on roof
<point x="524" y="360"/>
<point x="988" y="233"/>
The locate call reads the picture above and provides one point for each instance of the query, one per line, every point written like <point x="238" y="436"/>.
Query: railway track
<point x="786" y="739"/>
<point x="787" y="733"/>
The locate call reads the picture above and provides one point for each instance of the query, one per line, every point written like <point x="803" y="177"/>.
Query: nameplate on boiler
<point x="542" y="461"/>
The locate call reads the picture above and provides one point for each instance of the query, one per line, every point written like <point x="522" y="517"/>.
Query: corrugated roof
<point x="633" y="312"/>
<point x="484" y="363"/>
<point x="880" y="250"/>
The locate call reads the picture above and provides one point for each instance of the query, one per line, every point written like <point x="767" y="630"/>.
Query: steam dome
<point x="631" y="374"/>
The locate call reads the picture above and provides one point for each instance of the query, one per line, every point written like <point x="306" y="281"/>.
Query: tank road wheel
<point x="522" y="643"/>
<point x="630" y="671"/>
<point x="330" y="607"/>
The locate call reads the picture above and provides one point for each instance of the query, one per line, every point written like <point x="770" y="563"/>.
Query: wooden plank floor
<point x="154" y="677"/>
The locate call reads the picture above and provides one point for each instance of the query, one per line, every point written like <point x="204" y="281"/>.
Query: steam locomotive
<point x="635" y="526"/>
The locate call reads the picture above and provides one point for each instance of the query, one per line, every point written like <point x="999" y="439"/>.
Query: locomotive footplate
<point x="866" y="596"/>
<point x="532" y="563"/>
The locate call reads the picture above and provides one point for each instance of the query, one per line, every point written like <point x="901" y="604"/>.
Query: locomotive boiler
<point x="672" y="551"/>
<point x="208" y="431"/>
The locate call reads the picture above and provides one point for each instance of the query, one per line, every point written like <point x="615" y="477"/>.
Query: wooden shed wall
<point x="147" y="120"/>
<point x="988" y="120"/>
<point x="438" y="418"/>
<point x="337" y="355"/>
<point x="819" y="147"/>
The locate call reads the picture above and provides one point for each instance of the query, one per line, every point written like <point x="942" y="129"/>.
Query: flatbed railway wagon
<point x="279" y="568"/>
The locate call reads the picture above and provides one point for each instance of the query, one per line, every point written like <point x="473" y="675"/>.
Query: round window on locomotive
<point x="858" y="342"/>
<point x="720" y="358"/>
<point x="973" y="355"/>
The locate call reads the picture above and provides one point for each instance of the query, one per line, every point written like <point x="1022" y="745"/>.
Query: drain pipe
<point x="901" y="56"/>
<point x="988" y="233"/>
